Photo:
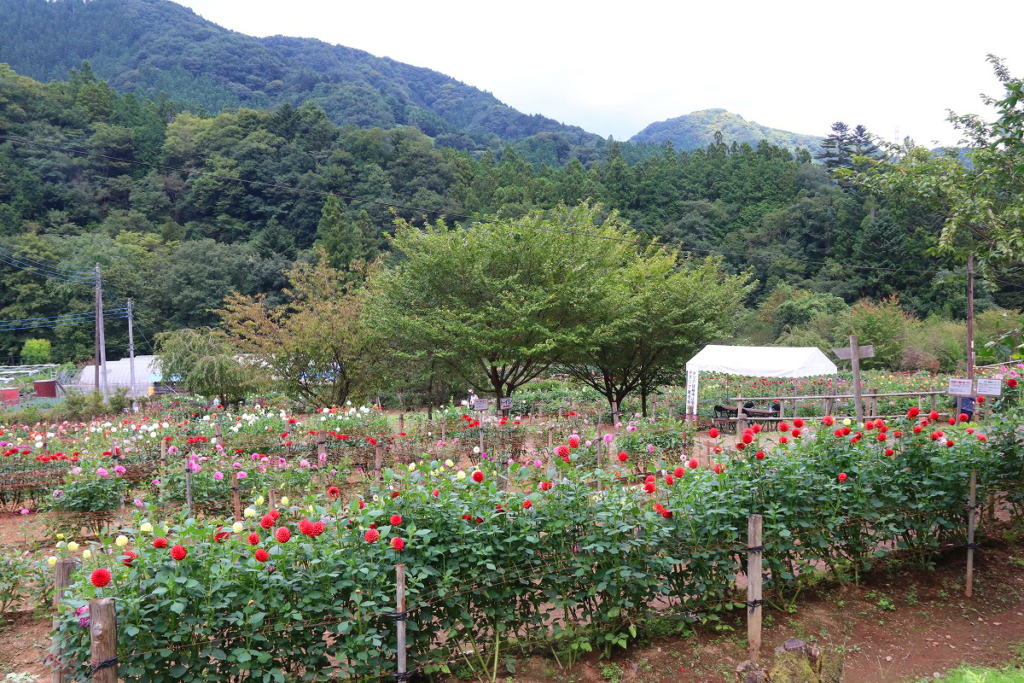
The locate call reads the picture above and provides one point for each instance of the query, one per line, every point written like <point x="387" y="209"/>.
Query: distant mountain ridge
<point x="154" y="46"/>
<point x="698" y="128"/>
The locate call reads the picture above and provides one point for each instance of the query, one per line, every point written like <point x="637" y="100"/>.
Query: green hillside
<point x="155" y="46"/>
<point x="698" y="130"/>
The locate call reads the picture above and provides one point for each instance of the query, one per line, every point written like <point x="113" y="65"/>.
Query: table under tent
<point x="752" y="361"/>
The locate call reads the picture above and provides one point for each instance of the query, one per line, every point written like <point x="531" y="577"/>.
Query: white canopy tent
<point x="754" y="361"/>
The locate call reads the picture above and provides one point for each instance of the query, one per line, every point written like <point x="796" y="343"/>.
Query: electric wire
<point x="25" y="263"/>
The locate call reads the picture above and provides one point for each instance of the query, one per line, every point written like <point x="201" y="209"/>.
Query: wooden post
<point x="972" y="499"/>
<point x="163" y="451"/>
<point x="103" y="638"/>
<point x="188" y="484"/>
<point x="234" y="496"/>
<point x="378" y="461"/>
<point x="551" y="437"/>
<point x="670" y="410"/>
<point x="401" y="422"/>
<point x="272" y="499"/>
<point x="741" y="417"/>
<point x="858" y="405"/>
<point x="218" y="435"/>
<point x="400" y="621"/>
<point x="62" y="581"/>
<point x="754" y="553"/>
<point x="935" y="399"/>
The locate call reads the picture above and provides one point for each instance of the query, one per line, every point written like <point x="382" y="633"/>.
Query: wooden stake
<point x="62" y="581"/>
<point x="400" y="621"/>
<point x="163" y="451"/>
<point x="188" y="484"/>
<point x="272" y="499"/>
<point x="972" y="499"/>
<point x="754" y="553"/>
<point x="401" y="422"/>
<point x="858" y="405"/>
<point x="103" y="638"/>
<point x="218" y="435"/>
<point x="378" y="461"/>
<point x="234" y="496"/>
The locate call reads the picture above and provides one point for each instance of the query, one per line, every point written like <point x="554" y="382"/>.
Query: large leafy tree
<point x="976" y="189"/>
<point x="497" y="303"/>
<point x="660" y="310"/>
<point x="316" y="344"/>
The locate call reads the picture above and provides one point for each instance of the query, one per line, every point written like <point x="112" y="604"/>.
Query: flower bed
<point x="560" y="555"/>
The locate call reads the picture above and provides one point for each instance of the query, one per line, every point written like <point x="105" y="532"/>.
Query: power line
<point x="27" y="265"/>
<point x="46" y="264"/>
<point x="406" y="207"/>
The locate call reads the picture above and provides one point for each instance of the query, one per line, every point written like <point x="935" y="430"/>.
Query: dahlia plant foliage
<point x="572" y="550"/>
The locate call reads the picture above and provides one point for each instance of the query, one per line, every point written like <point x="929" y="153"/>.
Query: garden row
<point x="554" y="552"/>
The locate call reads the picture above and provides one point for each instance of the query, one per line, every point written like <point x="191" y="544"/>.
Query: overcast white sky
<point x="614" y="68"/>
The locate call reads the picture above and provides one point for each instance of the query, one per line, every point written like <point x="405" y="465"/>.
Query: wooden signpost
<point x="854" y="354"/>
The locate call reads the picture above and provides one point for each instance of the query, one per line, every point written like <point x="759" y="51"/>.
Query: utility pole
<point x="970" y="317"/>
<point x="102" y="339"/>
<point x="96" y="330"/>
<point x="131" y="352"/>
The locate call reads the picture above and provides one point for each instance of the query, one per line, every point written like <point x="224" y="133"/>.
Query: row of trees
<point x="491" y="305"/>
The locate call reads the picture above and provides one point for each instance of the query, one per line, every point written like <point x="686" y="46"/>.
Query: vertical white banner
<point x="691" y="393"/>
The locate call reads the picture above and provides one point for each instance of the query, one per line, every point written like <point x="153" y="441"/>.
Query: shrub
<point x="35" y="351"/>
<point x="884" y="325"/>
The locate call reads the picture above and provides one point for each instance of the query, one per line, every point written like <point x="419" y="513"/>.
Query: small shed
<point x="754" y="361"/>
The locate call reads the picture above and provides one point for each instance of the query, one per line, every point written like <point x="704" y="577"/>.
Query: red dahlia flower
<point x="178" y="552"/>
<point x="100" y="578"/>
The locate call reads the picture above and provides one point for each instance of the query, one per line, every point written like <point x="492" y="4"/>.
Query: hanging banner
<point x="691" y="393"/>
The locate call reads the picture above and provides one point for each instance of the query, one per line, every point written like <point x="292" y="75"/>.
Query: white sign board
<point x="960" y="387"/>
<point x="505" y="403"/>
<point x="480" y="404"/>
<point x="692" y="378"/>
<point x="990" y="387"/>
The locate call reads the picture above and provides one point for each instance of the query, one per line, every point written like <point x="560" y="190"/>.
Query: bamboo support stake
<point x="103" y="639"/>
<point x="972" y="499"/>
<point x="62" y="581"/>
<point x="400" y="618"/>
<point x="754" y="553"/>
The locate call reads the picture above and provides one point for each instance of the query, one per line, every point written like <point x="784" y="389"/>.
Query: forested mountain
<point x="698" y="129"/>
<point x="151" y="47"/>
<point x="180" y="209"/>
